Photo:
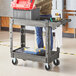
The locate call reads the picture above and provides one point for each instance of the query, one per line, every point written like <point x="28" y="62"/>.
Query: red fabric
<point x="23" y="4"/>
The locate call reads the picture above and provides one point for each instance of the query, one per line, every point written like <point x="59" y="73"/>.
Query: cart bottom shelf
<point x="19" y="53"/>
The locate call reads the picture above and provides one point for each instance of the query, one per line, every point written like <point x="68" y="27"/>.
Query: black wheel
<point x="14" y="61"/>
<point x="56" y="62"/>
<point x="47" y="67"/>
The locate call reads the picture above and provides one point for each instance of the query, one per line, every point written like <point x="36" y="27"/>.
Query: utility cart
<point x="26" y="14"/>
<point x="50" y="56"/>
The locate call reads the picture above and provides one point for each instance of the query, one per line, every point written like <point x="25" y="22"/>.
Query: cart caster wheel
<point x="56" y="62"/>
<point x="14" y="61"/>
<point x="47" y="67"/>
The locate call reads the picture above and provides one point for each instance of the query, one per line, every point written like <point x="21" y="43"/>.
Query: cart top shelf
<point x="40" y="23"/>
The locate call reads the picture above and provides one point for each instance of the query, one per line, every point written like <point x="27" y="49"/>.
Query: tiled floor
<point x="29" y="68"/>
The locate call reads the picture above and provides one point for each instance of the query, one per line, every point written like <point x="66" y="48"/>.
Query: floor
<point x="67" y="65"/>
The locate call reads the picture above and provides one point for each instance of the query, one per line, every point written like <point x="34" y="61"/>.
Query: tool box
<point x="25" y="9"/>
<point x="39" y="51"/>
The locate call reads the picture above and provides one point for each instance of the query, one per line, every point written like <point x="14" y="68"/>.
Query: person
<point x="45" y="9"/>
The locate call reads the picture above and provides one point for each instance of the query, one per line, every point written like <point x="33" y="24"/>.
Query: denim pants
<point x="39" y="35"/>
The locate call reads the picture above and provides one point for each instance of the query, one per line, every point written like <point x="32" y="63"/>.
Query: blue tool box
<point x="40" y="51"/>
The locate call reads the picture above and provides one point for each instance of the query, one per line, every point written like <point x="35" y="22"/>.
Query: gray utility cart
<point x="50" y="56"/>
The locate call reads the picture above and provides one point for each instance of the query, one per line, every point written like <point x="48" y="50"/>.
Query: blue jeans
<point x="40" y="42"/>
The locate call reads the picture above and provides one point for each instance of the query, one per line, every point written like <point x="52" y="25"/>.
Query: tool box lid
<point x="23" y="4"/>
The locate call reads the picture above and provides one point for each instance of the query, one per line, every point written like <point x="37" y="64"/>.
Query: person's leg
<point x="39" y="37"/>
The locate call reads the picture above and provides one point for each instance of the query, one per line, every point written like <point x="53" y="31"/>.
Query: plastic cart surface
<point x="50" y="56"/>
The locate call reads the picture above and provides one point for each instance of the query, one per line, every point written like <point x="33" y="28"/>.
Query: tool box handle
<point x="32" y="3"/>
<point x="16" y="1"/>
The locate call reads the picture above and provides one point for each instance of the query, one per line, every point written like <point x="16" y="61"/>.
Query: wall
<point x="5" y="8"/>
<point x="5" y="22"/>
<point x="69" y="6"/>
